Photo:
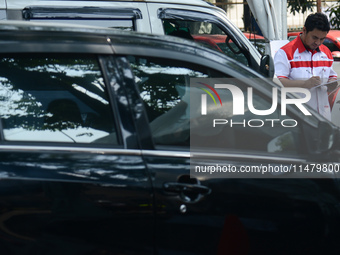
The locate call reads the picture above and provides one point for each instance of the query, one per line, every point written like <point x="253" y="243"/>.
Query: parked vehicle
<point x="219" y="42"/>
<point x="178" y="18"/>
<point x="95" y="152"/>
<point x="257" y="40"/>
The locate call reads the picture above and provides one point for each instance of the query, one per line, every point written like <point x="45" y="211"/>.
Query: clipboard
<point x="328" y="83"/>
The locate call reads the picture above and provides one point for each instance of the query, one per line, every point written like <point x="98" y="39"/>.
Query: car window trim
<point x="148" y="52"/>
<point x="53" y="47"/>
<point x="223" y="156"/>
<point x="68" y="148"/>
<point x="102" y="60"/>
<point x="67" y="12"/>
<point x="119" y="98"/>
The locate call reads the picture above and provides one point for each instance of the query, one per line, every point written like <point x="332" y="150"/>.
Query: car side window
<point x="54" y="98"/>
<point x="206" y="33"/>
<point x="240" y="124"/>
<point x="164" y="87"/>
<point x="260" y="45"/>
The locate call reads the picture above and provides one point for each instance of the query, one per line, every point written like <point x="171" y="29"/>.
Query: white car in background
<point x="173" y="17"/>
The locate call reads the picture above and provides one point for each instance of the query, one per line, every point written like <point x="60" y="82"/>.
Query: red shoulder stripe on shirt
<point x="289" y="49"/>
<point x="325" y="49"/>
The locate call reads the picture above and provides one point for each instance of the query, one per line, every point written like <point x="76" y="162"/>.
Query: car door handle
<point x="177" y="187"/>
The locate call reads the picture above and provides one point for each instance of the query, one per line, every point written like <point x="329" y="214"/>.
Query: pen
<point x="322" y="75"/>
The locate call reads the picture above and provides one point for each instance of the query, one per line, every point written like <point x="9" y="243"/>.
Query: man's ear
<point x="304" y="30"/>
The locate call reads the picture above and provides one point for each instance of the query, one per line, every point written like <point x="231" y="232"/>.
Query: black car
<point x="95" y="152"/>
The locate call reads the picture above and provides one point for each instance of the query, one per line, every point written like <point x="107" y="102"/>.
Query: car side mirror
<point x="325" y="138"/>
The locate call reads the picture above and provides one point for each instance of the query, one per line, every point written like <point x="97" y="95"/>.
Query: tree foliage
<point x="296" y="6"/>
<point x="334" y="14"/>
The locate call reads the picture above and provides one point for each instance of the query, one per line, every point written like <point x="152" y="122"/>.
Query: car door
<point x="72" y="179"/>
<point x="199" y="211"/>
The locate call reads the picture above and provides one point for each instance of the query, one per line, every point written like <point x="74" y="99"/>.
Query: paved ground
<point x="336" y="67"/>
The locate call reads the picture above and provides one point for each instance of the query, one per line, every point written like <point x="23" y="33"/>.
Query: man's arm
<point x="310" y="83"/>
<point x="333" y="80"/>
<point x="282" y="70"/>
<point x="332" y="85"/>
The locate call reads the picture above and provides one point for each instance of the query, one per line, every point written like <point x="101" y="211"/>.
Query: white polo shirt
<point x="295" y="62"/>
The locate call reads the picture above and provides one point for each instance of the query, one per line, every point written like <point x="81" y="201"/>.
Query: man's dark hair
<point x="317" y="20"/>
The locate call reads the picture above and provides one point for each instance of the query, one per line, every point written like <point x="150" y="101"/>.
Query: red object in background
<point x="234" y="238"/>
<point x="218" y="42"/>
<point x="332" y="41"/>
<point x="332" y="97"/>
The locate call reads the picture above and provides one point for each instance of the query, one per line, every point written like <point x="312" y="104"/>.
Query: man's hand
<point x="312" y="82"/>
<point x="332" y="86"/>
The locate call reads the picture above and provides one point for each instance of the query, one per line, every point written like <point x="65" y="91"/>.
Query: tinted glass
<point x="164" y="86"/>
<point x="205" y="33"/>
<point x="240" y="118"/>
<point x="54" y="98"/>
<point x="259" y="44"/>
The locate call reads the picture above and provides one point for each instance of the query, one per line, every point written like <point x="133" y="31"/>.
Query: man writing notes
<point x="305" y="62"/>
